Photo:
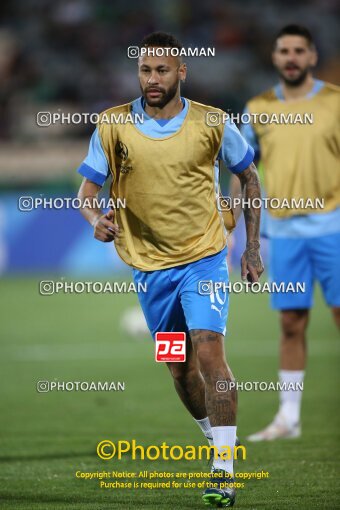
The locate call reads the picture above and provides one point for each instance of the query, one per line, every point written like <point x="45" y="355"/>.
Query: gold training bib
<point x="301" y="161"/>
<point x="171" y="217"/>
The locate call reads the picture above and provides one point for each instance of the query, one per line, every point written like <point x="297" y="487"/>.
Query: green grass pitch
<point x="47" y="437"/>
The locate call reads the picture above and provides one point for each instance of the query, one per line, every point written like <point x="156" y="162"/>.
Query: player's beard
<point x="297" y="80"/>
<point x="164" y="99"/>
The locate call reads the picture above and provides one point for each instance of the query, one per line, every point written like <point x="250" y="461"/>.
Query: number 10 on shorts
<point x="170" y="346"/>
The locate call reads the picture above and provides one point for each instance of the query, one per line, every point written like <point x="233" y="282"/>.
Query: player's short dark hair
<point x="161" y="40"/>
<point x="296" y="30"/>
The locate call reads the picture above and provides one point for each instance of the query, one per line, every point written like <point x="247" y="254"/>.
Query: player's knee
<point x="212" y="366"/>
<point x="294" y="324"/>
<point x="336" y="315"/>
<point x="209" y="349"/>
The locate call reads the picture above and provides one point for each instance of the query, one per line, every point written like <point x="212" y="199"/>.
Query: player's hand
<point x="251" y="263"/>
<point x="105" y="229"/>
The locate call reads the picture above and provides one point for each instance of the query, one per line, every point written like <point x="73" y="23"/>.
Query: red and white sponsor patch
<point x="170" y="346"/>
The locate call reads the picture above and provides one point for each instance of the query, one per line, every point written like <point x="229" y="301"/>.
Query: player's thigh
<point x="206" y="308"/>
<point x="160" y="303"/>
<point x="325" y="251"/>
<point x="290" y="262"/>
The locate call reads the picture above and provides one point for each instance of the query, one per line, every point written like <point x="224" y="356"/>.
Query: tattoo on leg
<point x="191" y="391"/>
<point x="202" y="336"/>
<point x="221" y="406"/>
<point x="189" y="383"/>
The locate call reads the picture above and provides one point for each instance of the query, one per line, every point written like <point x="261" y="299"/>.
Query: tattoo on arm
<point x="251" y="190"/>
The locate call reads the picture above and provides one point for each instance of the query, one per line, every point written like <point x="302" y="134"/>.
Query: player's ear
<point x="274" y="57"/>
<point x="182" y="71"/>
<point x="314" y="56"/>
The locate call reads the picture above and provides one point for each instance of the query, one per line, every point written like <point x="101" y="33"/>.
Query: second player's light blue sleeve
<point x="95" y="166"/>
<point x="236" y="153"/>
<point x="249" y="134"/>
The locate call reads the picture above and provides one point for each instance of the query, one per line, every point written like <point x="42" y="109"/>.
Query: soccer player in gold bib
<point x="172" y="233"/>
<point x="300" y="162"/>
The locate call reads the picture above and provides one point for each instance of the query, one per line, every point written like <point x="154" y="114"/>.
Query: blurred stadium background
<point x="70" y="55"/>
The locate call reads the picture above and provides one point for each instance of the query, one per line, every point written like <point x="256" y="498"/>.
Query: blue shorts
<point x="305" y="260"/>
<point x="173" y="301"/>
